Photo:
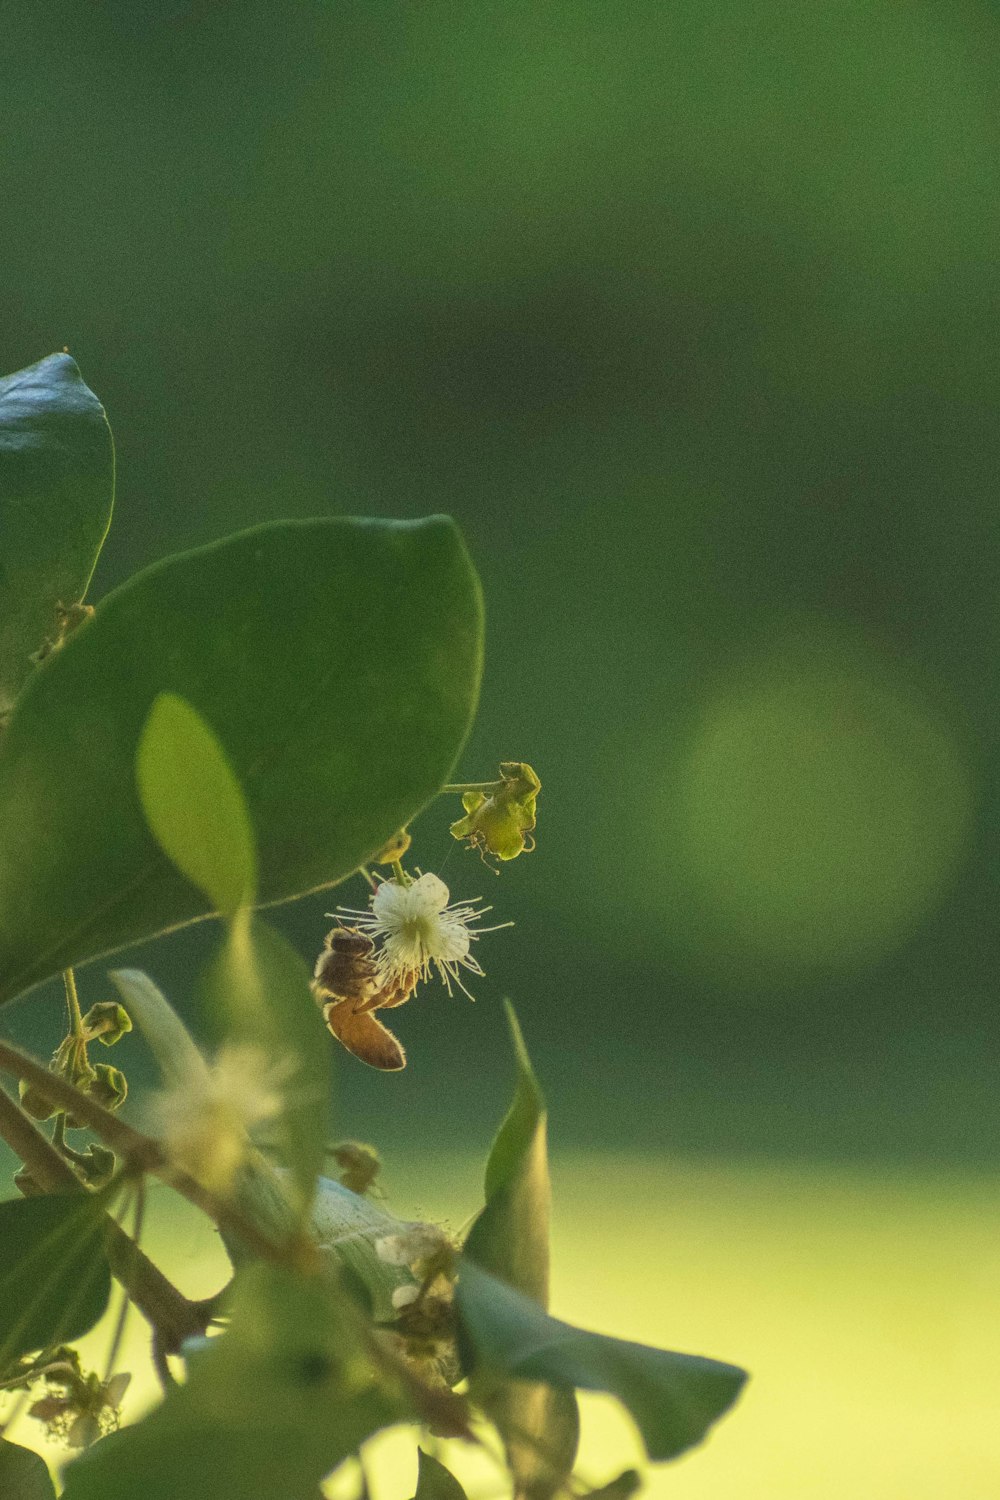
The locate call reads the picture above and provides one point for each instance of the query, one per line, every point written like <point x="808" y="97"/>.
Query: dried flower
<point x="77" y="1408"/>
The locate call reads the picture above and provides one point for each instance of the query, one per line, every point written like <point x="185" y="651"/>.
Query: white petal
<point x="428" y="895"/>
<point x="389" y="903"/>
<point x="451" y="940"/>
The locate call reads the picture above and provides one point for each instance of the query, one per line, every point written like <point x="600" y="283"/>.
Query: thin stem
<point x="116" y="1337"/>
<point x="47" y="1167"/>
<point x="471" y="786"/>
<point x="73" y="1004"/>
<point x="59" y="1132"/>
<point x="401" y="876"/>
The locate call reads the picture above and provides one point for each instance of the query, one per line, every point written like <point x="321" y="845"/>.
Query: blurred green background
<point x="689" y="314"/>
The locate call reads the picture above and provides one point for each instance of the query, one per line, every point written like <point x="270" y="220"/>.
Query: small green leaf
<point x="268" y="1409"/>
<point x="434" y="1481"/>
<point x="169" y="1040"/>
<point x="258" y="986"/>
<point x="674" y="1398"/>
<point x="194" y="805"/>
<point x="511" y="1235"/>
<point x="54" y="1275"/>
<point x="337" y="661"/>
<point x="23" y="1474"/>
<point x="540" y="1426"/>
<point x="56" y="492"/>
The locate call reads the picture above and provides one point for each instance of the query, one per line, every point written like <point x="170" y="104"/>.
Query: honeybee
<point x="347" y="987"/>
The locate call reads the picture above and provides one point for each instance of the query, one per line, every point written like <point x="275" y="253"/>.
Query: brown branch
<point x="51" y="1171"/>
<point x="145" y="1154"/>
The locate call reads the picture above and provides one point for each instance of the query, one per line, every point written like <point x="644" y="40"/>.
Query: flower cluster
<point x="425" y="1320"/>
<point x="78" y="1408"/>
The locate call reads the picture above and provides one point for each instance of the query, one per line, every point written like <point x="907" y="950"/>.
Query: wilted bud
<point x="500" y="821"/>
<point x="109" y="1086"/>
<point x="98" y="1165"/>
<point x="359" y="1165"/>
<point x="26" y="1184"/>
<point x="107" y="1022"/>
<point x="34" y="1103"/>
<point x="77" y="1409"/>
<point x="394" y="849"/>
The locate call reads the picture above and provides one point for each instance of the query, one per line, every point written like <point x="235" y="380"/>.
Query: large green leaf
<point x="54" y="1275"/>
<point x="336" y="661"/>
<point x="56" y="492"/>
<point x="268" y="1409"/>
<point x="23" y="1474"/>
<point x="540" y="1425"/>
<point x="674" y="1398"/>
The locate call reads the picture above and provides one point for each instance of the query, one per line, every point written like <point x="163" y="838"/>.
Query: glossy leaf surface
<point x="337" y="662"/>
<point x="54" y="1275"/>
<point x="56" y="493"/>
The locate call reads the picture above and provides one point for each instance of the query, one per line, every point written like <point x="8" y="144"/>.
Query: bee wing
<point x="365" y="1036"/>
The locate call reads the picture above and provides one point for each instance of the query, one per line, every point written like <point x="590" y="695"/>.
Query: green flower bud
<point x="501" y="821"/>
<point x="394" y="849"/>
<point x="107" y="1021"/>
<point x="109" y="1086"/>
<point x="98" y="1165"/>
<point x="34" y="1103"/>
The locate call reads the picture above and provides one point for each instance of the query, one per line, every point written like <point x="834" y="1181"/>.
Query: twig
<point x="144" y="1154"/>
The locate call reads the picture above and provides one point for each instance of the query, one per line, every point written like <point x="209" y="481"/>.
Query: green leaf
<point x="194" y="805"/>
<point x="170" y="1042"/>
<point x="540" y="1426"/>
<point x="674" y="1398"/>
<point x="511" y="1235"/>
<point x="338" y="662"/>
<point x="268" y="1409"/>
<point x="23" y="1474"/>
<point x="345" y="1226"/>
<point x="434" y="1481"/>
<point x="258" y="986"/>
<point x="54" y="1275"/>
<point x="57" y="474"/>
<point x="624" y="1485"/>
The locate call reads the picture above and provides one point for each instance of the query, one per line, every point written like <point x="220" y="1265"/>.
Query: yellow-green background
<point x="689" y="314"/>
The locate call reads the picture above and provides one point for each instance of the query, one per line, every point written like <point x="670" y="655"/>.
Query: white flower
<point x="419" y="930"/>
<point x="205" y="1118"/>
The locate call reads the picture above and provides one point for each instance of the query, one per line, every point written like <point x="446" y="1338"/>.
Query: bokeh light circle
<point x="818" y="809"/>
